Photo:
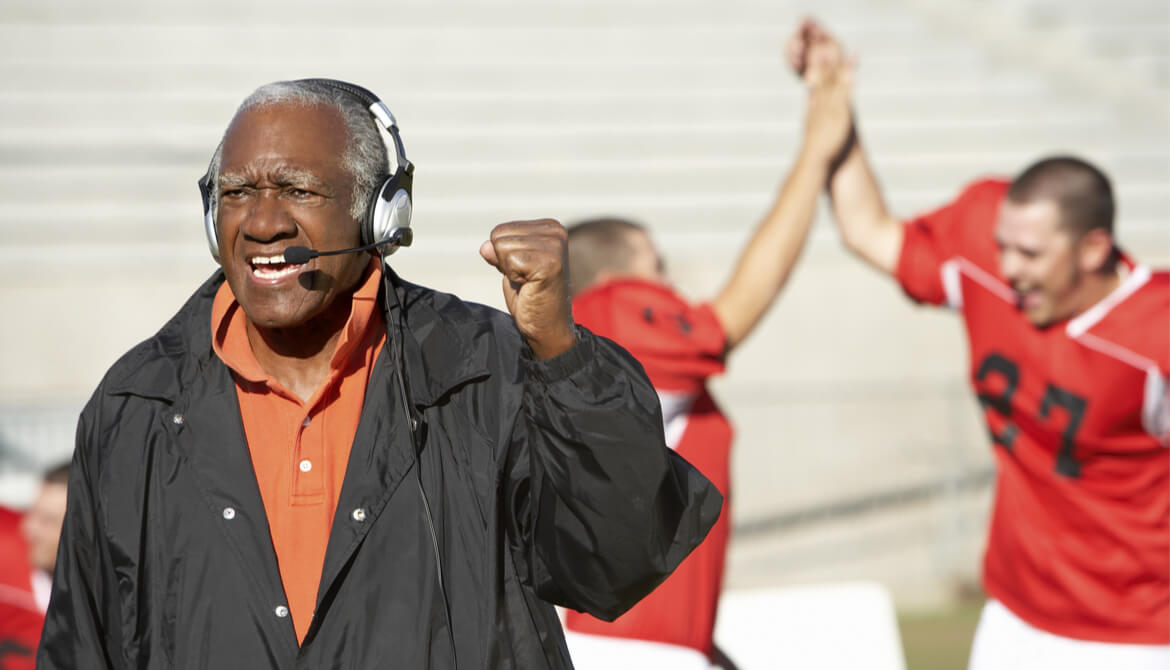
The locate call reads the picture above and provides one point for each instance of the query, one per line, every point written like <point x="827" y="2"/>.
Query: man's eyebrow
<point x="284" y="176"/>
<point x="298" y="177"/>
<point x="231" y="179"/>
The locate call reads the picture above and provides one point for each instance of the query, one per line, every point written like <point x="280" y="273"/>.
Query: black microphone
<point x="298" y="255"/>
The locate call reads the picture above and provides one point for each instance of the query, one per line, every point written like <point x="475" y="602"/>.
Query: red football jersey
<point x="680" y="346"/>
<point x="1078" y="413"/>
<point x="21" y="618"/>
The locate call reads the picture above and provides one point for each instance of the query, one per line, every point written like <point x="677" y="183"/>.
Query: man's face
<point x="41" y="525"/>
<point x="282" y="184"/>
<point x="1038" y="257"/>
<point x="645" y="263"/>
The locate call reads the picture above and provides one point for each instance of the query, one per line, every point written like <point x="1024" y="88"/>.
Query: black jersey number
<point x="1054" y="397"/>
<point x="995" y="364"/>
<point x="1066" y="459"/>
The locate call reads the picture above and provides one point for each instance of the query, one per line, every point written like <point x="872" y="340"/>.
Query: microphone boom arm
<point x="299" y="255"/>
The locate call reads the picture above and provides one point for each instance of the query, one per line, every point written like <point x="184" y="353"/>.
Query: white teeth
<point x="266" y="273"/>
<point x="260" y="268"/>
<point x="266" y="260"/>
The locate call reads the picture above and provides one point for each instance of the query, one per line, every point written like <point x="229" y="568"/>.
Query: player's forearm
<point x="867" y="227"/>
<point x="767" y="261"/>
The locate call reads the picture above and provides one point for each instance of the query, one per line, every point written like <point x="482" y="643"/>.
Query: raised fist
<point x="531" y="255"/>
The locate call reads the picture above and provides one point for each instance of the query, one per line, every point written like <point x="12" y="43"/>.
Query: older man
<point x="278" y="479"/>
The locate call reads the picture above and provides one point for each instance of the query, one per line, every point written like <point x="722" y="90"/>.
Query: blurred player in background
<point x="1070" y="351"/>
<point x="20" y="618"/>
<point x="41" y="527"/>
<point x="621" y="291"/>
<point x="28" y="552"/>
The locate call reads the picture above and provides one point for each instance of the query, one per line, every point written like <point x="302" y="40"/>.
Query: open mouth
<point x="272" y="267"/>
<point x="1027" y="299"/>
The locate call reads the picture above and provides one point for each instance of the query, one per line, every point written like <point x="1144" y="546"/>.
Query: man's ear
<point x="1095" y="250"/>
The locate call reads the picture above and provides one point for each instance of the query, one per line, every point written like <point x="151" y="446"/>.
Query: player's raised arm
<point x="866" y="225"/>
<point x="767" y="260"/>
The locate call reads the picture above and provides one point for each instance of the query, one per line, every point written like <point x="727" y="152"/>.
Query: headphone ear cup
<point x="209" y="219"/>
<point x="400" y="211"/>
<point x="390" y="211"/>
<point x="212" y="238"/>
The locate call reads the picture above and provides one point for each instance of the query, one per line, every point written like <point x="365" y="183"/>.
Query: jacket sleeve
<point x="74" y="634"/>
<point x="602" y="509"/>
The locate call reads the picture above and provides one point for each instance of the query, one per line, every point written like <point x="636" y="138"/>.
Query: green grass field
<point x="940" y="640"/>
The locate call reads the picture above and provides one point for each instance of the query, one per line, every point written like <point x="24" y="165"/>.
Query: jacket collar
<point x="444" y="339"/>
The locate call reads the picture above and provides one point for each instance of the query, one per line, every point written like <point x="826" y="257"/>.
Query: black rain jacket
<point x="548" y="482"/>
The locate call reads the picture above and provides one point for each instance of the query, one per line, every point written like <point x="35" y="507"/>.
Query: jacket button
<point x="281" y="611"/>
<point x="177" y="419"/>
<point x="359" y="514"/>
<point x="229" y="513"/>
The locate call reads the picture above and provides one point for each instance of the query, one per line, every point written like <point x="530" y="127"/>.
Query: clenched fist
<point x="532" y="257"/>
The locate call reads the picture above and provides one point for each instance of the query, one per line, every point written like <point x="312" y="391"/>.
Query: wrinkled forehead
<point x="313" y="130"/>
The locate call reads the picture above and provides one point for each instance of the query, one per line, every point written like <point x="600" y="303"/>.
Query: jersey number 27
<point x="1054" y="397"/>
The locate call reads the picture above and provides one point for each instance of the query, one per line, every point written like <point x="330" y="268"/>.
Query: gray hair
<point x="364" y="157"/>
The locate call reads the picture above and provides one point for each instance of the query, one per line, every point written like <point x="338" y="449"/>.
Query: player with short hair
<point x="620" y="291"/>
<point x="1070" y="353"/>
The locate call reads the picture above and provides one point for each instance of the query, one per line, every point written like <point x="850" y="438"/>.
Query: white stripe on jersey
<point x="676" y="413"/>
<point x="1156" y="408"/>
<point x="1092" y="316"/>
<point x="952" y="283"/>
<point x="953" y="268"/>
<point x="1117" y="351"/>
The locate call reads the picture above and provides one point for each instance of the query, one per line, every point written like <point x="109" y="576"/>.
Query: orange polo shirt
<point x="300" y="449"/>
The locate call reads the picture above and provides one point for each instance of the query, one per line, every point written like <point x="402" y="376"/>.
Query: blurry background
<point x="860" y="453"/>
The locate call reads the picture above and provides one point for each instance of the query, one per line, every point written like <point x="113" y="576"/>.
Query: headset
<point x="385" y="228"/>
<point x="387" y="221"/>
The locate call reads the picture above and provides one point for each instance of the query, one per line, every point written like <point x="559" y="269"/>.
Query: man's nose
<point x="268" y="218"/>
<point x="1010" y="265"/>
